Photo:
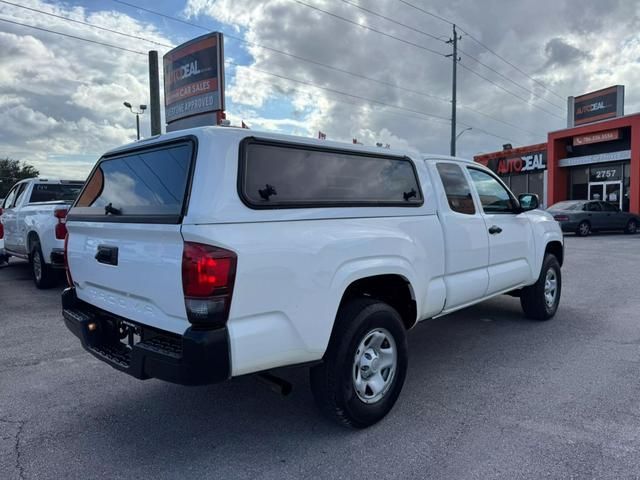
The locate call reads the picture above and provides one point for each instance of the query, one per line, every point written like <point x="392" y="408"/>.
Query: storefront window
<point x="579" y="183"/>
<point x="518" y="184"/>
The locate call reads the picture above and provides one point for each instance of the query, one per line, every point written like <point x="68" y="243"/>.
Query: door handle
<point x="495" y="230"/>
<point x="107" y="255"/>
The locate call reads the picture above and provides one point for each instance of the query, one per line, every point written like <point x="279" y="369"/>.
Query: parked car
<point x="210" y="253"/>
<point x="586" y="216"/>
<point x="33" y="224"/>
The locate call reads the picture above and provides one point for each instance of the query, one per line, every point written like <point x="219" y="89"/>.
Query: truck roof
<point x="47" y="180"/>
<point x="241" y="133"/>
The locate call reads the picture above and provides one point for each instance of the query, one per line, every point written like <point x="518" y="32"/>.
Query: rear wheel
<point x="584" y="229"/>
<point x="43" y="274"/>
<point x="364" y="366"/>
<point x="540" y="300"/>
<point x="632" y="227"/>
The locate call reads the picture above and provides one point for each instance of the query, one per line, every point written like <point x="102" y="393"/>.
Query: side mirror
<point x="528" y="201"/>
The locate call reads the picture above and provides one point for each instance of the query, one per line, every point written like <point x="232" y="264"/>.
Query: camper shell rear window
<point x="143" y="185"/>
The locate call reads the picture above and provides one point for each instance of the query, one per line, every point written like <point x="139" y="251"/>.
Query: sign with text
<point x="606" y="173"/>
<point x="194" y="78"/>
<point x="525" y="163"/>
<point x="596" y="106"/>
<point x="604" y="136"/>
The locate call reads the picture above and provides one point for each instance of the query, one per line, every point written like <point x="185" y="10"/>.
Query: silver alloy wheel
<point x="584" y="228"/>
<point x="550" y="287"/>
<point x="37" y="265"/>
<point x="374" y="365"/>
<point x="633" y="226"/>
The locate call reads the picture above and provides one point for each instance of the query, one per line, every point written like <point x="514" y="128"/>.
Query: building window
<point x="579" y="178"/>
<point x="519" y="184"/>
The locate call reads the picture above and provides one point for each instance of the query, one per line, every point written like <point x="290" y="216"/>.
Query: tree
<point x="12" y="171"/>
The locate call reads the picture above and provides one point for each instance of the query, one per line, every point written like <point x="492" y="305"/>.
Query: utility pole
<point x="454" y="57"/>
<point x="154" y="92"/>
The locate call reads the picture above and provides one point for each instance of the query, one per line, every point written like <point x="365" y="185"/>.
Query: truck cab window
<point x="456" y="188"/>
<point x="493" y="196"/>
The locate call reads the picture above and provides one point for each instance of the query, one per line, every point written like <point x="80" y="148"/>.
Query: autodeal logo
<point x="525" y="163"/>
<point x="592" y="107"/>
<point x="185" y="71"/>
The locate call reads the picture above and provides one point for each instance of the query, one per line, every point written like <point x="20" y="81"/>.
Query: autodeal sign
<point x="596" y="106"/>
<point x="194" y="79"/>
<point x="525" y="163"/>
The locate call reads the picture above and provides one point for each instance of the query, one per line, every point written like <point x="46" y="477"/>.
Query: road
<point x="489" y="394"/>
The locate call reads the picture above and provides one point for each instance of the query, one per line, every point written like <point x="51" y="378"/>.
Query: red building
<point x="598" y="161"/>
<point x="523" y="169"/>
<point x="597" y="158"/>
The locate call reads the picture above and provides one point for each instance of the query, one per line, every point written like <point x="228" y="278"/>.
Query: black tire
<point x="632" y="227"/>
<point x="333" y="381"/>
<point x="43" y="275"/>
<point x="533" y="299"/>
<point x="584" y="229"/>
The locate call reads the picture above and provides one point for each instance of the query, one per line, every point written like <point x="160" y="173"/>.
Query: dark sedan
<point x="586" y="216"/>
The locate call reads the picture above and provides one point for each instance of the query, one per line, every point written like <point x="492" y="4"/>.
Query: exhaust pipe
<point x="275" y="384"/>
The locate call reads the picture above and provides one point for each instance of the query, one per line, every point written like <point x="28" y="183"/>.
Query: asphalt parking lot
<point x="488" y="395"/>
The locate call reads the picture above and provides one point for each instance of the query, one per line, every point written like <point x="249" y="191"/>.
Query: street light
<point x="460" y="134"/>
<point x="137" y="113"/>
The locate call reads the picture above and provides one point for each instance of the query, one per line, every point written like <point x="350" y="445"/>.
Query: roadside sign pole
<point x="154" y="93"/>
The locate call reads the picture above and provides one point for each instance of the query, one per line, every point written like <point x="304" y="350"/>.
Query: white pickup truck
<point x="214" y="252"/>
<point x="32" y="224"/>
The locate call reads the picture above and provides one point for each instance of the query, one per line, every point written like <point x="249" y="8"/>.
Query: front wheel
<point x="364" y="366"/>
<point x="632" y="227"/>
<point x="540" y="301"/>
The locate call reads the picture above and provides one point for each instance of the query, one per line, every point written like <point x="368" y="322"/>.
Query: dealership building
<point x="597" y="157"/>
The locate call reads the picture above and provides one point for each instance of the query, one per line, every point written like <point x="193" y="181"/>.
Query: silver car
<point x="585" y="216"/>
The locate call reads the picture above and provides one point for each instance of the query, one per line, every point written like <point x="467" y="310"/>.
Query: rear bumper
<point x="198" y="357"/>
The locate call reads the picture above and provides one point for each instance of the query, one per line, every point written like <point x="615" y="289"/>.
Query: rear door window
<point x="456" y="188"/>
<point x="147" y="186"/>
<point x="50" y="192"/>
<point x="278" y="175"/>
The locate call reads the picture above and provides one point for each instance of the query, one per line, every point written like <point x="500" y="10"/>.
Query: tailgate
<point x="124" y="247"/>
<point x="131" y="270"/>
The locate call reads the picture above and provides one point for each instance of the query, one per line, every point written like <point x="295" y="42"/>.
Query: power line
<point x="369" y="100"/>
<point x="421" y="32"/>
<point x="51" y="14"/>
<point x="509" y="79"/>
<point x="330" y="67"/>
<point x="367" y="27"/>
<point x="484" y="46"/>
<point x="512" y="65"/>
<point x="427" y="34"/>
<point x="510" y="92"/>
<point x="73" y="36"/>
<point x="311" y="84"/>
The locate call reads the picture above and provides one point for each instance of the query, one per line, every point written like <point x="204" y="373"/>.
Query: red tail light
<point x="208" y="274"/>
<point x="561" y="218"/>
<point x="66" y="261"/>
<point x="61" y="227"/>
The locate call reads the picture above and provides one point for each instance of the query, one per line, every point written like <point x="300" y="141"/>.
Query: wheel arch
<point x="555" y="248"/>
<point x="391" y="288"/>
<point x="32" y="237"/>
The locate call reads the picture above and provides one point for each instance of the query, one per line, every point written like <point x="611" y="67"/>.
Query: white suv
<point x="215" y="252"/>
